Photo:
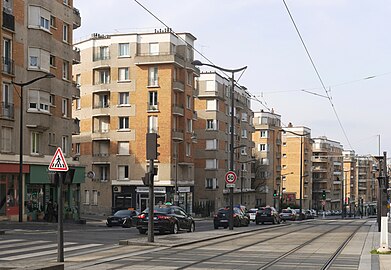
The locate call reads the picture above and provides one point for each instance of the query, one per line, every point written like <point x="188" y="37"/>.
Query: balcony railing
<point x="8" y="65"/>
<point x="153" y="107"/>
<point x="7" y="110"/>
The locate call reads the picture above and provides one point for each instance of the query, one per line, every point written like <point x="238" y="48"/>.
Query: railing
<point x="153" y="107"/>
<point x="7" y="110"/>
<point x="99" y="57"/>
<point x="8" y="65"/>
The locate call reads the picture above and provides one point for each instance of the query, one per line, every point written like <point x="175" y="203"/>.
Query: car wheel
<point x="262" y="223"/>
<point x="142" y="231"/>
<point x="225" y="227"/>
<point x="216" y="227"/>
<point x="257" y="222"/>
<point x="108" y="225"/>
<point x="192" y="227"/>
<point x="274" y="221"/>
<point x="174" y="229"/>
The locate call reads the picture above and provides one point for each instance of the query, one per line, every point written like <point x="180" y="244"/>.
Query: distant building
<point x="133" y="84"/>
<point x="267" y="139"/>
<point x="212" y="154"/>
<point x="296" y="163"/>
<point x="36" y="40"/>
<point x="350" y="181"/>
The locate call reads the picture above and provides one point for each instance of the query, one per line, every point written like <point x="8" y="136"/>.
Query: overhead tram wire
<point x="173" y="32"/>
<point x="317" y="73"/>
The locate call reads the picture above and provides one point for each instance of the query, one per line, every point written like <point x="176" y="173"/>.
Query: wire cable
<point x="318" y="74"/>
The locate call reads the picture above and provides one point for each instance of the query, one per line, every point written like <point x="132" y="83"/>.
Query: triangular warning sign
<point x="58" y="162"/>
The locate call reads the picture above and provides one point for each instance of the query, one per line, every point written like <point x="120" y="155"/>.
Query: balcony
<point x="178" y="86"/>
<point x="101" y="109"/>
<point x="100" y="134"/>
<point x="195" y="116"/>
<point x="76" y="18"/>
<point x="76" y="56"/>
<point x="153" y="107"/>
<point x="7" y="110"/>
<point x="177" y="109"/>
<point x="8" y="21"/>
<point x="161" y="57"/>
<point x="75" y="90"/>
<point x="75" y="126"/>
<point x="177" y="135"/>
<point x="7" y="66"/>
<point x="319" y="169"/>
<point x="318" y="159"/>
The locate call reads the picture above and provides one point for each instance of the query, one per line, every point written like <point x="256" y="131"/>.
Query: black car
<point x="267" y="214"/>
<point x="166" y="218"/>
<point x="122" y="218"/>
<point x="221" y="219"/>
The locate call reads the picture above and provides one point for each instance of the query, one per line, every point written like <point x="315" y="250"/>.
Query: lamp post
<point x="20" y="180"/>
<point x="232" y="71"/>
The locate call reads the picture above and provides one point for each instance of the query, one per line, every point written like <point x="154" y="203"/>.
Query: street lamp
<point x="20" y="183"/>
<point x="232" y="71"/>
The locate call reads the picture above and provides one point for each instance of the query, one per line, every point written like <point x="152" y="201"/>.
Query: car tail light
<point x="163" y="217"/>
<point x="235" y="215"/>
<point x="214" y="215"/>
<point x="142" y="216"/>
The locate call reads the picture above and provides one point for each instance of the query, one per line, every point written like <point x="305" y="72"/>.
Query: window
<point x="78" y="103"/>
<point x="7" y="110"/>
<point x="38" y="18"/>
<point x="64" y="107"/>
<point x="39" y="100"/>
<point x="123" y="74"/>
<point x="102" y="53"/>
<point x="65" y="70"/>
<point x="190" y="78"/>
<point x="52" y="138"/>
<point x="188" y="102"/>
<point x="210" y="86"/>
<point x="211" y="144"/>
<point x="65" y="32"/>
<point x="6" y="139"/>
<point x="152" y="124"/>
<point x="78" y="80"/>
<point x="123" y="98"/>
<point x="243" y="151"/>
<point x="7" y="61"/>
<point x="65" y="145"/>
<point x="211" y="164"/>
<point x="153" y="76"/>
<point x="264" y="134"/>
<point x="39" y="59"/>
<point x="189" y="125"/>
<point x="188" y="149"/>
<point x="86" y="197"/>
<point x="77" y="148"/>
<point x="103" y="76"/>
<point x="211" y="124"/>
<point x="52" y="21"/>
<point x="52" y="61"/>
<point x="211" y="183"/>
<point x="66" y="2"/>
<point x="244" y="133"/>
<point x="262" y="147"/>
<point x="123" y="172"/>
<point x="211" y="105"/>
<point x="153" y="104"/>
<point x="244" y="117"/>
<point x="123" y="123"/>
<point x="123" y="148"/>
<point x="104" y="172"/>
<point x="35" y="140"/>
<point x="154" y="48"/>
<point x="95" y="197"/>
<point x="123" y="49"/>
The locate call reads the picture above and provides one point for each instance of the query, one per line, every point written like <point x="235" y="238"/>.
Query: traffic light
<point x="152" y="145"/>
<point x="146" y="179"/>
<point x="324" y="195"/>
<point x="275" y="193"/>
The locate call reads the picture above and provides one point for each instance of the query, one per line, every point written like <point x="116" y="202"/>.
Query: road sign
<point x="230" y="177"/>
<point x="58" y="162"/>
<point x="323" y="203"/>
<point x="230" y="185"/>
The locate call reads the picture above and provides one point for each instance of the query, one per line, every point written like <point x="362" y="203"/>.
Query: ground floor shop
<point x="38" y="192"/>
<point x="137" y="197"/>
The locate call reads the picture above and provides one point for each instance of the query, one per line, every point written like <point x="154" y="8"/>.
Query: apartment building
<point x="327" y="173"/>
<point x="213" y="129"/>
<point x="36" y="39"/>
<point x="350" y="181"/>
<point x="133" y="84"/>
<point x="267" y="151"/>
<point x="367" y="183"/>
<point x="296" y="165"/>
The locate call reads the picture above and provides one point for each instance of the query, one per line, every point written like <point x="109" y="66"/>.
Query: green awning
<point x="39" y="174"/>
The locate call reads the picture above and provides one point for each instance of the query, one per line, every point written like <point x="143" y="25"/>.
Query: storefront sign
<point x="155" y="190"/>
<point x="183" y="189"/>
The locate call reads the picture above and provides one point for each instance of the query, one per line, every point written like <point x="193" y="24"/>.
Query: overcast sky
<point x="349" y="41"/>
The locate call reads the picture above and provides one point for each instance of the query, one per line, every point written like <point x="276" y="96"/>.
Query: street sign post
<point x="58" y="162"/>
<point x="230" y="178"/>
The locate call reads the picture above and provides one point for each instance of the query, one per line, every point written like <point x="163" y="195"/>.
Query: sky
<point x="344" y="95"/>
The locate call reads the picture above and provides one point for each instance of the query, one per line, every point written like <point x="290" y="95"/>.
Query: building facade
<point x="37" y="40"/>
<point x="367" y="184"/>
<point x="213" y="129"/>
<point x="296" y="164"/>
<point x="133" y="84"/>
<point x="267" y="151"/>
<point x="327" y="174"/>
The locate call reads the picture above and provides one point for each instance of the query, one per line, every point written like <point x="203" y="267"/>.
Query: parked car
<point x="252" y="213"/>
<point x="166" y="218"/>
<point x="302" y="215"/>
<point x="288" y="214"/>
<point x="309" y="214"/>
<point x="221" y="219"/>
<point x="267" y="214"/>
<point x="122" y="218"/>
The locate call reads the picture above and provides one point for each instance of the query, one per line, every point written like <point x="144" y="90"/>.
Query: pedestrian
<point x="50" y="211"/>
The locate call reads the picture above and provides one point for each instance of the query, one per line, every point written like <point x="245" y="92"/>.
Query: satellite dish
<point x="91" y="174"/>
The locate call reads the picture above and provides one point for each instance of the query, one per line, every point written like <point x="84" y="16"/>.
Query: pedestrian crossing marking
<point x="2" y="246"/>
<point x="58" y="162"/>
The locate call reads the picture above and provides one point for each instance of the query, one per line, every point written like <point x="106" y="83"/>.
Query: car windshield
<point x="161" y="209"/>
<point x="252" y="210"/>
<point x="287" y="211"/>
<point x="122" y="213"/>
<point x="265" y="210"/>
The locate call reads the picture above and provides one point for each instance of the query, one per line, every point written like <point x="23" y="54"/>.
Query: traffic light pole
<point x="151" y="202"/>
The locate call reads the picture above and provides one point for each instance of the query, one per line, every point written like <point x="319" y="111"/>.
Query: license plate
<point x="263" y="215"/>
<point x="114" y="221"/>
<point x="223" y="220"/>
<point x="252" y="216"/>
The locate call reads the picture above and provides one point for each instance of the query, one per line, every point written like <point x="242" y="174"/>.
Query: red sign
<point x="230" y="177"/>
<point x="58" y="162"/>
